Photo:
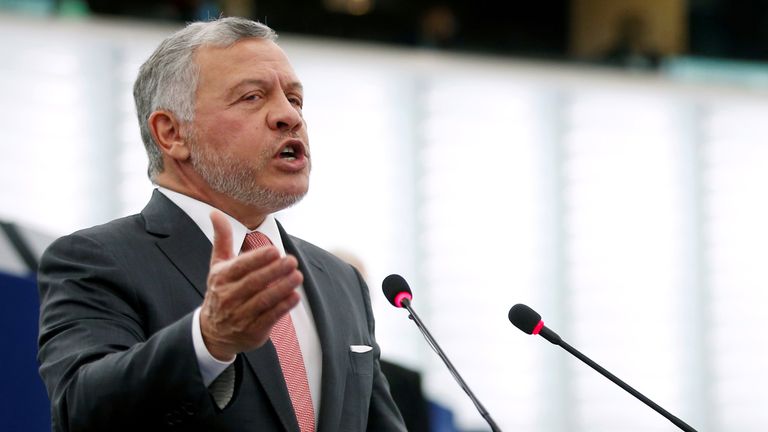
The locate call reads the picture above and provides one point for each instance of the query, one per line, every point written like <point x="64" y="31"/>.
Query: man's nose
<point x="284" y="115"/>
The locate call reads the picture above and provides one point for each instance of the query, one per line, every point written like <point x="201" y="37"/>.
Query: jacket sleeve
<point x="101" y="368"/>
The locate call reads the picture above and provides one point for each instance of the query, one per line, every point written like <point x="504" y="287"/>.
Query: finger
<point x="258" y="280"/>
<point x="247" y="263"/>
<point x="222" y="238"/>
<point x="268" y="317"/>
<point x="263" y="301"/>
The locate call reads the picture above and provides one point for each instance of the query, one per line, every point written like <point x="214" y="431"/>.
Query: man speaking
<point x="201" y="313"/>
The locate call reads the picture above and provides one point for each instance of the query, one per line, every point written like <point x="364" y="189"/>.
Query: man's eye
<point x="251" y="97"/>
<point x="296" y="101"/>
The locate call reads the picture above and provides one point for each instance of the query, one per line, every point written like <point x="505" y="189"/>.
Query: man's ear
<point x="166" y="130"/>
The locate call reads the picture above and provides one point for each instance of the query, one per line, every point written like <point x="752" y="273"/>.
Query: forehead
<point x="245" y="59"/>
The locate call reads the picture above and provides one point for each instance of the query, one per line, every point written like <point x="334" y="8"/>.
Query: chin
<point x="296" y="187"/>
<point x="283" y="198"/>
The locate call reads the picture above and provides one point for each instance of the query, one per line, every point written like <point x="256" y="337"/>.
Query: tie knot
<point x="254" y="240"/>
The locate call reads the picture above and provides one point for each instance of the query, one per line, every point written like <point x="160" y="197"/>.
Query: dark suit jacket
<point x="116" y="351"/>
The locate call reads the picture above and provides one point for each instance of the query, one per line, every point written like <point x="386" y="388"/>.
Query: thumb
<point x="222" y="238"/>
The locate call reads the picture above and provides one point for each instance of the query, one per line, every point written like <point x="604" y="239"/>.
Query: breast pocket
<point x="361" y="359"/>
<point x="357" y="390"/>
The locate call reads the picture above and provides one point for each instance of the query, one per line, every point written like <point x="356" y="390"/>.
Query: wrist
<point x="219" y="353"/>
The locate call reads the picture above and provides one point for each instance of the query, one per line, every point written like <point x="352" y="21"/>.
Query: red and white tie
<point x="286" y="343"/>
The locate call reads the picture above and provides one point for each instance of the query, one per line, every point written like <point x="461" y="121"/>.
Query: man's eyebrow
<point x="295" y="86"/>
<point x="291" y="86"/>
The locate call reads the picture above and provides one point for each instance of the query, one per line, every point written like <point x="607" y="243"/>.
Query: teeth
<point x="288" y="153"/>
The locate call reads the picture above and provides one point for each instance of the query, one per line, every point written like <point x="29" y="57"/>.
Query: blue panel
<point x="24" y="404"/>
<point x="440" y="418"/>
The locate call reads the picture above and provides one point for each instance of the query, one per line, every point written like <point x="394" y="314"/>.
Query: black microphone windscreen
<point x="524" y="318"/>
<point x="393" y="285"/>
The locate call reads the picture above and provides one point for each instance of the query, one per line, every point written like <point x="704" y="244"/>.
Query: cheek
<point x="224" y="133"/>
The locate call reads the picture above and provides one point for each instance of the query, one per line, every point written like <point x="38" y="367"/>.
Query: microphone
<point x="397" y="291"/>
<point x="527" y="320"/>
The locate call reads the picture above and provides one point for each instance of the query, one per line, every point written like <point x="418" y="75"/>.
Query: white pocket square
<point x="360" y="348"/>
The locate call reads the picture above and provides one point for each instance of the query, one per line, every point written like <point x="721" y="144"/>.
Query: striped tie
<point x="286" y="343"/>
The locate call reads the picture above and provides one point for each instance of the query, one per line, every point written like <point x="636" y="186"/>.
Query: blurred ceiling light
<point x="351" y="7"/>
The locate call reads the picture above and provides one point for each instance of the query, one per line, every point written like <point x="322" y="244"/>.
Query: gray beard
<point x="234" y="178"/>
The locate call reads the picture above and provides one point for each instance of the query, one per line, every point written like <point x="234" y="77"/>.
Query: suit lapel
<point x="180" y="239"/>
<point x="189" y="251"/>
<point x="318" y="287"/>
<point x="266" y="366"/>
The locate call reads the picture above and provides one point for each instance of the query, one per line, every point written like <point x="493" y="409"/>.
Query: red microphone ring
<point x="400" y="296"/>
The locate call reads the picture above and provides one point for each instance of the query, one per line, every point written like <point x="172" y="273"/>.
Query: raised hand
<point x="246" y="294"/>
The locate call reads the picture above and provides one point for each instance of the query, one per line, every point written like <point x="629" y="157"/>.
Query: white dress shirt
<point x="306" y="331"/>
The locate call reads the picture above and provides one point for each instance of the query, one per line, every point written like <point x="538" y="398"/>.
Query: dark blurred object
<point x="502" y="27"/>
<point x="733" y="29"/>
<point x="167" y="10"/>
<point x="24" y="404"/>
<point x="439" y="26"/>
<point x="632" y="49"/>
<point x="242" y="8"/>
<point x="405" y="387"/>
<point x="730" y="29"/>
<point x="633" y="34"/>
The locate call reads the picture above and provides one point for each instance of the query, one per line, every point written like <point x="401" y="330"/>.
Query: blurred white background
<point x="630" y="210"/>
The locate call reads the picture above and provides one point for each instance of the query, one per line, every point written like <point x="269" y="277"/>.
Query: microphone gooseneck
<point x="397" y="291"/>
<point x="529" y="321"/>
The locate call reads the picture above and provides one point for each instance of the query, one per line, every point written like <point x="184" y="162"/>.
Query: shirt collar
<point x="200" y="212"/>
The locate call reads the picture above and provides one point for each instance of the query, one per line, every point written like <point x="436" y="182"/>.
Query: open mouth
<point x="292" y="151"/>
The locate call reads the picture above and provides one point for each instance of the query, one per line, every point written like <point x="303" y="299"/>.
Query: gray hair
<point x="168" y="79"/>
